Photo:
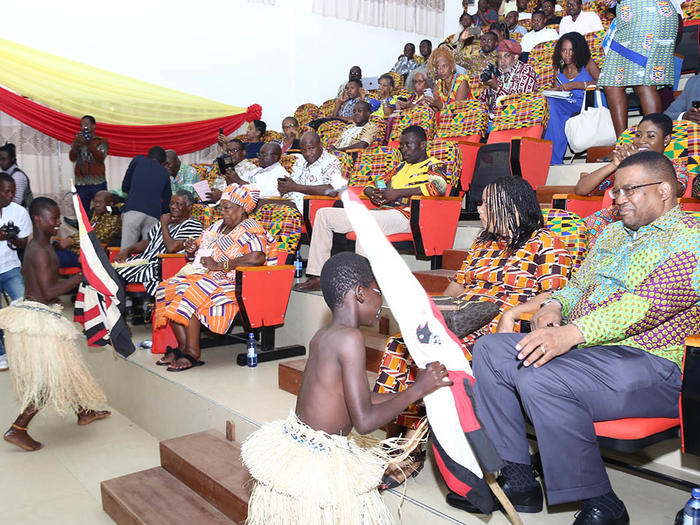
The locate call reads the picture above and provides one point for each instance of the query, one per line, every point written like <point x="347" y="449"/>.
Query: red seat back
<point x="263" y="293"/>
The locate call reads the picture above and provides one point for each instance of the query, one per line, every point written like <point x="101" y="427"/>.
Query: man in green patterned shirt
<point x="607" y="346"/>
<point x="182" y="176"/>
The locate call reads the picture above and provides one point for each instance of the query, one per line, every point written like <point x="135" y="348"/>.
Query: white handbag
<point x="592" y="127"/>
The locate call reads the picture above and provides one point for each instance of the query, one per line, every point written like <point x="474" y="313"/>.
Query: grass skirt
<point x="302" y="475"/>
<point x="44" y="358"/>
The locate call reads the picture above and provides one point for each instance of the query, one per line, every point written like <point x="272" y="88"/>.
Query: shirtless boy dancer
<point x="42" y="345"/>
<point x="306" y="470"/>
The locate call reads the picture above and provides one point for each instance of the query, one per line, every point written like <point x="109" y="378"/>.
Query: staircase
<point x="201" y="480"/>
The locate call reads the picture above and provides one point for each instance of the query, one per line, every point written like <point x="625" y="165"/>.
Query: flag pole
<point x="510" y="511"/>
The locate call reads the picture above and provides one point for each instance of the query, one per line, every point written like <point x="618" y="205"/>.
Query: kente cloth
<point x="597" y="222"/>
<point x="149" y="274"/>
<point x="447" y="93"/>
<point x="105" y="225"/>
<point x="340" y="477"/>
<point x="43" y="352"/>
<point x="246" y="195"/>
<point x="89" y="161"/>
<point x="488" y="273"/>
<point x="641" y="53"/>
<point x="185" y="177"/>
<point x="460" y="443"/>
<point x="211" y="295"/>
<point x="429" y="175"/>
<point x="521" y="78"/>
<point x="639" y="288"/>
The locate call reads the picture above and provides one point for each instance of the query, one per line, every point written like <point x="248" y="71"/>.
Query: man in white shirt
<point x="361" y="134"/>
<point x="579" y="21"/>
<point x="270" y="171"/>
<point x="682" y="108"/>
<point x="11" y="280"/>
<point x="314" y="174"/>
<point x="539" y="33"/>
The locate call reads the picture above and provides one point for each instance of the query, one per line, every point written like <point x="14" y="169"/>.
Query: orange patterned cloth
<point x="211" y="296"/>
<point x="448" y="94"/>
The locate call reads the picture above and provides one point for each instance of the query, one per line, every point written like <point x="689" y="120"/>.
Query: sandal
<point x="417" y="462"/>
<point x="169" y="351"/>
<point x="193" y="362"/>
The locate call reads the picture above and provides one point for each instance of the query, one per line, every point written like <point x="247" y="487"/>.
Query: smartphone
<point x="221" y="131"/>
<point x="696" y="104"/>
<point x="403" y="99"/>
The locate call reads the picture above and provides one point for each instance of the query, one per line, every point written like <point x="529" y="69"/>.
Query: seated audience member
<point x="601" y="349"/>
<point x="653" y="134"/>
<point x="421" y="87"/>
<point x="449" y="85"/>
<point x="425" y="48"/>
<point x="523" y="13"/>
<point x="575" y="73"/>
<point x="579" y="21"/>
<point x="207" y="294"/>
<point x="346" y="102"/>
<point x="290" y="129"/>
<point x="484" y="14"/>
<point x="234" y="154"/>
<point x="355" y="73"/>
<point x="512" y="23"/>
<point x="682" y="108"/>
<point x="316" y="172"/>
<point x="548" y="7"/>
<point x="182" y="176"/>
<point x="147" y="185"/>
<point x="8" y="164"/>
<point x="407" y="61"/>
<point x="384" y="107"/>
<point x="500" y="29"/>
<point x="516" y="77"/>
<point x="106" y="227"/>
<point x="538" y="34"/>
<point x="418" y="174"/>
<point x="167" y="236"/>
<point x="464" y="37"/>
<point x="361" y="134"/>
<point x="513" y="259"/>
<point x="254" y="133"/>
<point x="487" y="55"/>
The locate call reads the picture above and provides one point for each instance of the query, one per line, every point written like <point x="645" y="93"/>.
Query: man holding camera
<point x="508" y="78"/>
<point x="15" y="229"/>
<point x="89" y="151"/>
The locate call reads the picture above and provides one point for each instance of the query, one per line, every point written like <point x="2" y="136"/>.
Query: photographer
<point x="15" y="229"/>
<point x="89" y="151"/>
<point x="510" y="77"/>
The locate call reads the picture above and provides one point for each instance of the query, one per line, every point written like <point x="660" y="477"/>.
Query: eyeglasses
<point x="628" y="191"/>
<point x="289" y="126"/>
<point x="378" y="291"/>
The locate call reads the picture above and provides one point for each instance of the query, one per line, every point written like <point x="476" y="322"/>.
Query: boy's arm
<point x="47" y="280"/>
<point x="366" y="416"/>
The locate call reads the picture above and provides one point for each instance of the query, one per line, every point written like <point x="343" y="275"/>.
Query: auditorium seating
<point x="329" y="132"/>
<point x="418" y="116"/>
<point x="306" y="113"/>
<point x="523" y="115"/>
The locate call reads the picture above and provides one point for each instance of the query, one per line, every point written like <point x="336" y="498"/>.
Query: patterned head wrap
<point x="510" y="46"/>
<point x="245" y="196"/>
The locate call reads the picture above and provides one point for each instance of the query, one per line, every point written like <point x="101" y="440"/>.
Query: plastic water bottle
<point x="298" y="265"/>
<point x="691" y="511"/>
<point x="252" y="355"/>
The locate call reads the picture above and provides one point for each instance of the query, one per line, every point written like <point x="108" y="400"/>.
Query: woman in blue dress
<point x="575" y="73"/>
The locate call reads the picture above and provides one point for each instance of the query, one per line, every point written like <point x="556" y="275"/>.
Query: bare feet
<point x="85" y="417"/>
<point x="20" y="438"/>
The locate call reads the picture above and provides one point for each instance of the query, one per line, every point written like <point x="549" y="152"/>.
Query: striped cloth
<point x="149" y="274"/>
<point x="211" y="296"/>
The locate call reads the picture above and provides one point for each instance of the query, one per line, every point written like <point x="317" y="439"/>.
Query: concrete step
<point x="434" y="281"/>
<point x="289" y="374"/>
<point x="211" y="466"/>
<point x="155" y="497"/>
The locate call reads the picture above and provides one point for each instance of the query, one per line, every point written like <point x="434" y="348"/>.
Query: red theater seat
<point x="580" y="205"/>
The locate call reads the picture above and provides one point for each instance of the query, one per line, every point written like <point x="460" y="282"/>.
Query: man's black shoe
<point x="73" y="223"/>
<point x="527" y="501"/>
<point x="595" y="516"/>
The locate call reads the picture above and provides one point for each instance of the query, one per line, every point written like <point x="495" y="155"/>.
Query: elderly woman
<point x="290" y="129"/>
<point x="422" y="87"/>
<point x="513" y="259"/>
<point x="653" y="133"/>
<point x="204" y="292"/>
<point x="449" y="86"/>
<point x="575" y="73"/>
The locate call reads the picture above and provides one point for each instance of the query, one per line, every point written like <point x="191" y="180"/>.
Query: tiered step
<point x="435" y="281"/>
<point x="289" y="373"/>
<point x="201" y="480"/>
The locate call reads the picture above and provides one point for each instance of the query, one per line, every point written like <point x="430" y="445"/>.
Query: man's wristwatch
<point x="549" y="301"/>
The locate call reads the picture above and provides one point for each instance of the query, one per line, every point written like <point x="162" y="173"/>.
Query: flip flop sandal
<point x="172" y="351"/>
<point x="390" y="483"/>
<point x="193" y="363"/>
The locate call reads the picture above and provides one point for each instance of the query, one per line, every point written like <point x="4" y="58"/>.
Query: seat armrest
<point x="313" y="203"/>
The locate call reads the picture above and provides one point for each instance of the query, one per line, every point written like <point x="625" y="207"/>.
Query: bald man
<point x="182" y="176"/>
<point x="105" y="224"/>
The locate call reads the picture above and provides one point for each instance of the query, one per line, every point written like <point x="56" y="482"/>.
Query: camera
<point x="224" y="162"/>
<point x="11" y="231"/>
<point x="490" y="71"/>
<point x="86" y="133"/>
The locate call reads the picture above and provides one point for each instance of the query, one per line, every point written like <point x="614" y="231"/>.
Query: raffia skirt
<point x="305" y="476"/>
<point x="44" y="358"/>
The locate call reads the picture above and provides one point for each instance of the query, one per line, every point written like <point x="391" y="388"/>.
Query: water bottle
<point x="690" y="515"/>
<point x="298" y="265"/>
<point x="380" y="184"/>
<point x="252" y="355"/>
